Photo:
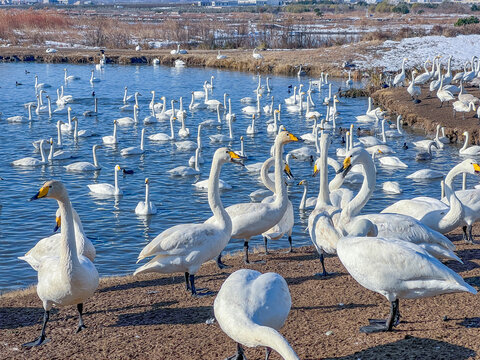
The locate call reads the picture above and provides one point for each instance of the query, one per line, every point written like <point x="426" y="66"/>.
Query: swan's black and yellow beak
<point x="293" y="137"/>
<point x="235" y="158"/>
<point x="287" y="171"/>
<point x="41" y="193"/>
<point x="476" y="168"/>
<point x="301" y="182"/>
<point x="315" y="170"/>
<point x="347" y="165"/>
<point x="58" y="223"/>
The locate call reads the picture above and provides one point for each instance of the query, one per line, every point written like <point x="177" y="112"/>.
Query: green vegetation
<point x="475" y="7"/>
<point x="467" y="21"/>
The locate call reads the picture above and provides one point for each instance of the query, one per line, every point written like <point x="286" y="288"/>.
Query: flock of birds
<point x="443" y="84"/>
<point x="251" y="307"/>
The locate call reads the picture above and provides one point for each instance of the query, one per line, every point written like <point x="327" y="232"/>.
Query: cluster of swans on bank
<point x="251" y="307"/>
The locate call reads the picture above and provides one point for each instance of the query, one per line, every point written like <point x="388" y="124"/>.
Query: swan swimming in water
<point x="107" y="189"/>
<point x="146" y="207"/>
<point x="30" y="161"/>
<point x="84" y="165"/>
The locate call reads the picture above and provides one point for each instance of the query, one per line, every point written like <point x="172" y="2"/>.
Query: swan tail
<point x="440" y="252"/>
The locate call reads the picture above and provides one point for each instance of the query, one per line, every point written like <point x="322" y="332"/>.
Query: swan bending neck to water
<point x="251" y="307"/>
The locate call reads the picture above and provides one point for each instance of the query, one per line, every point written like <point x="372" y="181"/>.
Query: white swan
<point x="414" y="90"/>
<point x="127" y="121"/>
<point x="249" y="110"/>
<point x="31" y="161"/>
<point x="432" y="212"/>
<point x="442" y="94"/>
<point x="185" y="247"/>
<point x="459" y="106"/>
<point x="218" y="138"/>
<point x="392" y="161"/>
<point x="469" y="151"/>
<point x="425" y="174"/>
<point x="306" y="203"/>
<point x="93" y="79"/>
<point x="251" y="307"/>
<point x="378" y="264"/>
<point x="395" y="133"/>
<point x="59" y="154"/>
<point x="163" y="136"/>
<point x="146" y="207"/>
<point x="187" y="170"/>
<point x="251" y="129"/>
<point x="80" y="133"/>
<point x="211" y="103"/>
<point x="135" y="150"/>
<point x="255" y="55"/>
<point x="399" y="79"/>
<point x="183" y="132"/>
<point x="69" y="77"/>
<point x="68" y="279"/>
<point x="391" y="187"/>
<point x="230" y="116"/>
<point x="107" y="189"/>
<point x="426" y="155"/>
<point x="220" y="56"/>
<point x="250" y="219"/>
<point x="111" y="139"/>
<point x="20" y="118"/>
<point x="85" y="166"/>
<point x="51" y="245"/>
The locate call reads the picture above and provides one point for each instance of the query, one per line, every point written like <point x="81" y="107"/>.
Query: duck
<point x="67" y="279"/>
<point x="251" y="307"/>
<point x="250" y="219"/>
<point x="378" y="264"/>
<point x="84" y="165"/>
<point x="185" y="247"/>
<point x="135" y="150"/>
<point x="107" y="189"/>
<point x="51" y="245"/>
<point x="31" y="161"/>
<point x="146" y="207"/>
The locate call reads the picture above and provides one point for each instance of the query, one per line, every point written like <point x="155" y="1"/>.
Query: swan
<point x="51" y="245"/>
<point x="256" y="56"/>
<point x="95" y="110"/>
<point x="292" y="100"/>
<point x="426" y="155"/>
<point x="285" y="225"/>
<point x="146" y="207"/>
<point x="249" y="110"/>
<point x="153" y="105"/>
<point x="391" y="187"/>
<point x="183" y="132"/>
<point x="195" y="106"/>
<point x="107" y="189"/>
<point x="93" y="79"/>
<point x="427" y="75"/>
<point x="400" y="226"/>
<point x="20" y="118"/>
<point x="218" y="138"/>
<point x="414" y="90"/>
<point x="59" y="154"/>
<point x="135" y="150"/>
<point x="209" y="85"/>
<point x="66" y="279"/>
<point x="211" y="103"/>
<point x="162" y="115"/>
<point x="111" y="139"/>
<point x="251" y="307"/>
<point x="80" y="133"/>
<point x="349" y="82"/>
<point x="443" y="139"/>
<point x="129" y="107"/>
<point x="251" y="129"/>
<point x="163" y="136"/>
<point x="328" y="98"/>
<point x="86" y="166"/>
<point x="459" y="106"/>
<point x="30" y="161"/>
<point x="230" y="116"/>
<point x="42" y="109"/>
<point x="395" y="133"/>
<point x="425" y="174"/>
<point x="469" y="151"/>
<point x="273" y="128"/>
<point x="306" y="203"/>
<point x="378" y="264"/>
<point x="213" y="122"/>
<point x="269" y="109"/>
<point x="467" y="98"/>
<point x="297" y="107"/>
<point x="447" y="79"/>
<point x="442" y="94"/>
<point x="150" y="119"/>
<point x="425" y="143"/>
<point x="69" y="77"/>
<point x="127" y="121"/>
<point x="187" y="170"/>
<point x="399" y="79"/>
<point x="40" y="86"/>
<point x="309" y="114"/>
<point x="392" y="161"/>
<point x="433" y="212"/>
<point x="376" y="111"/>
<point x="220" y="56"/>
<point x="68" y="127"/>
<point x="185" y="247"/>
<point x="250" y="219"/>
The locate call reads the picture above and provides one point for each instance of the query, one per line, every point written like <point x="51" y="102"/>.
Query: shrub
<point x="467" y="21"/>
<point x="475" y="7"/>
<point x="383" y="7"/>
<point x="401" y="8"/>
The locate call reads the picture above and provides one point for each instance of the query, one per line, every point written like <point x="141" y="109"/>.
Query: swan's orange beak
<point x="315" y="170"/>
<point x="476" y="167"/>
<point x="292" y="137"/>
<point x="235" y="158"/>
<point x="41" y="193"/>
<point x="288" y="171"/>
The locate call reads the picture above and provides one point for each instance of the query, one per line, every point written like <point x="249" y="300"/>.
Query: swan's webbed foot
<point x="324" y="272"/>
<point x="374" y="328"/>
<point x="42" y="339"/>
<point x="379" y="325"/>
<point x="239" y="355"/>
<point x="417" y="101"/>
<point x="198" y="292"/>
<point x="221" y="264"/>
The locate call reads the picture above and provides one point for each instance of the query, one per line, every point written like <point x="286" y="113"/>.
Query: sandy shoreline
<point x="152" y="316"/>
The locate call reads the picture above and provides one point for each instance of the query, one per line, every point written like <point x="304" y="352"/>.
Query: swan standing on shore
<point x="400" y="78"/>
<point x="185" y="247"/>
<point x="68" y="279"/>
<point x="251" y="307"/>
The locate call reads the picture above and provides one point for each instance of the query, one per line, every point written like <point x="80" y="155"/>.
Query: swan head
<point x="224" y="155"/>
<point x="470" y="166"/>
<point x="52" y="189"/>
<point x="287" y="171"/>
<point x="146" y="180"/>
<point x="117" y="168"/>
<point x="303" y="182"/>
<point x="285" y="137"/>
<point x="465" y="133"/>
<point x="315" y="168"/>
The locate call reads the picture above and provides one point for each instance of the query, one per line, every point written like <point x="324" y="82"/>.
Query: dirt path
<point x="153" y="317"/>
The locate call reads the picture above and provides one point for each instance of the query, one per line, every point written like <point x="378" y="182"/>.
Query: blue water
<point x="117" y="233"/>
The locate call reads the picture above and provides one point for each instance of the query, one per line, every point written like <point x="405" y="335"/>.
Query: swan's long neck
<point x="199" y="138"/>
<point x="399" y="127"/>
<point x="69" y="117"/>
<point x="317" y="143"/>
<point x="116" y="181"/>
<point x="271" y="338"/>
<point x="147" y="194"/>
<point x="181" y="104"/>
<point x="214" y="201"/>
<point x="153" y="99"/>
<point x="304" y="197"/>
<point x="456" y="212"/>
<point x="135" y="114"/>
<point x="142" y="139"/>
<point x="258" y="102"/>
<point x="403" y="67"/>
<point x="42" y="151"/>
<point x="29" y="111"/>
<point x="115" y="131"/>
<point x="59" y="134"/>
<point x="269" y="184"/>
<point x="75" y="131"/>
<point x="366" y="191"/>
<point x="172" y="131"/>
<point x="384" y="139"/>
<point x="323" y="197"/>
<point x="464" y="181"/>
<point x="280" y="189"/>
<point x="242" y="147"/>
<point x="197" y="153"/>
<point x="430" y="148"/>
<point x="467" y="141"/>
<point x="437" y="134"/>
<point x="369" y="105"/>
<point x="192" y="101"/>
<point x="136" y="98"/>
<point x="229" y="107"/>
<point x="96" y="105"/>
<point x="95" y="161"/>
<point x="49" y="107"/>
<point x="230" y="130"/>
<point x="219" y="118"/>
<point x="164" y="107"/>
<point x="68" y="247"/>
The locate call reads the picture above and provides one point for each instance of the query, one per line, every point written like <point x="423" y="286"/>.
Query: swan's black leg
<point x="245" y="247"/>
<point x="324" y="271"/>
<point x="382" y="325"/>
<point x="220" y="264"/>
<point x="239" y="355"/>
<point x="265" y="242"/>
<point x="267" y="352"/>
<point x="196" y="292"/>
<point x="465" y="236"/>
<point x="470" y="236"/>
<point x="42" y="339"/>
<point x="290" y="242"/>
<point x="81" y="325"/>
<point x="187" y="281"/>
